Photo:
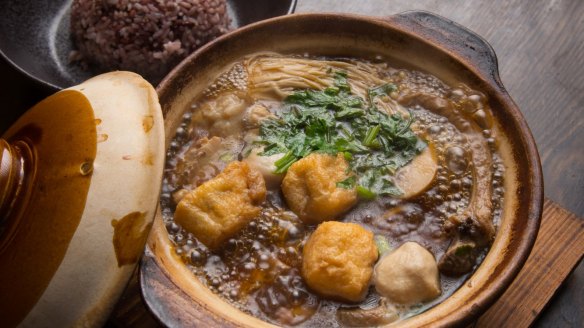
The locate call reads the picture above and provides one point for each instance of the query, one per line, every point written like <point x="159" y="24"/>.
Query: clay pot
<point x="416" y="39"/>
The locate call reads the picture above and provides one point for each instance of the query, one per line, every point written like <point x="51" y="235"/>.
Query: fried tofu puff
<point x="338" y="260"/>
<point x="310" y="188"/>
<point x="222" y="206"/>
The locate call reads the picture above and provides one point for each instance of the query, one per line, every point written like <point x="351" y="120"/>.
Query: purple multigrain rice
<point x="145" y="36"/>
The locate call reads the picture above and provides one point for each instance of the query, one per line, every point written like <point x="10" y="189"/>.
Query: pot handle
<point x="455" y="38"/>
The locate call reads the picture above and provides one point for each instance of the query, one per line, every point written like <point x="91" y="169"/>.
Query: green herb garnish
<point x="348" y="183"/>
<point x="335" y="120"/>
<point x="381" y="90"/>
<point x="382" y="245"/>
<point x="227" y="157"/>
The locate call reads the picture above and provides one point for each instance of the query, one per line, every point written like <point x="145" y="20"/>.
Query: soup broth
<point x="442" y="191"/>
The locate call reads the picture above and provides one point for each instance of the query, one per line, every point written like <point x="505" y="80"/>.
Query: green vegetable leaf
<point x="371" y="135"/>
<point x="365" y="193"/>
<point x="285" y="162"/>
<point x="381" y="90"/>
<point x="340" y="81"/>
<point x="348" y="183"/>
<point x="382" y="245"/>
<point x="334" y="121"/>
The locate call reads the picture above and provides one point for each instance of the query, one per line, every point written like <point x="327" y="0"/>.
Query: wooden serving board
<point x="558" y="249"/>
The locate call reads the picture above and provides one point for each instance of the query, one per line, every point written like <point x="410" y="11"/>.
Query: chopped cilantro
<point x="340" y="81"/>
<point x="381" y="90"/>
<point x="348" y="183"/>
<point x="365" y="193"/>
<point x="382" y="245"/>
<point x="334" y="120"/>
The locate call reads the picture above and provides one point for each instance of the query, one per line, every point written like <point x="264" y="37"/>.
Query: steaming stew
<point x="329" y="192"/>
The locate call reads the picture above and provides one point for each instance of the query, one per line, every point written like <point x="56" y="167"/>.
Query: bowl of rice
<point x="61" y="43"/>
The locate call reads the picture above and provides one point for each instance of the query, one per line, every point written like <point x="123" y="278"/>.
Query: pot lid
<point x="80" y="175"/>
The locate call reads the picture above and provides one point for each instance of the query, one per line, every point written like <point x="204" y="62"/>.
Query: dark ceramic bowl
<point x="35" y="36"/>
<point x="419" y="39"/>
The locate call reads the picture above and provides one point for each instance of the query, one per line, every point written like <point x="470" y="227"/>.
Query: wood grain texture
<point x="559" y="246"/>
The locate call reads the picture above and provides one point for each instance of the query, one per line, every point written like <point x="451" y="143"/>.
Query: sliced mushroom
<point x="459" y="259"/>
<point x="358" y="317"/>
<point x="418" y="175"/>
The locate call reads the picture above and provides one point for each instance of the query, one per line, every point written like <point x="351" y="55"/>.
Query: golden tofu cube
<point x="338" y="260"/>
<point x="222" y="206"/>
<point x="311" y="191"/>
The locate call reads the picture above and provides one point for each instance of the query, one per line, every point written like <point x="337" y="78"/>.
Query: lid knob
<point x="16" y="177"/>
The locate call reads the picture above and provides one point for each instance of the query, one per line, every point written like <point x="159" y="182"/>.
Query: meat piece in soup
<point x="222" y="116"/>
<point x="408" y="275"/>
<point x="333" y="192"/>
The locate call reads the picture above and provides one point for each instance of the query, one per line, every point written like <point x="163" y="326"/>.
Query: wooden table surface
<point x="540" y="46"/>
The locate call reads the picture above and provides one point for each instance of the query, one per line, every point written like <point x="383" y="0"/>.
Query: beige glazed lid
<point x="80" y="175"/>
